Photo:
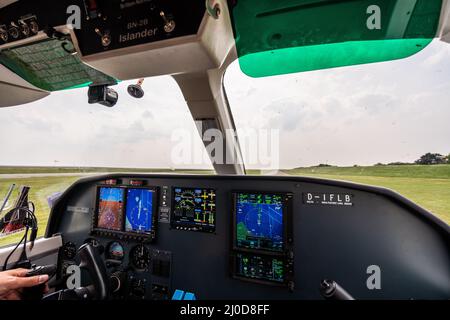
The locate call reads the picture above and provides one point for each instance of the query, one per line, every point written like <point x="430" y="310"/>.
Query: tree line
<point x="433" y="158"/>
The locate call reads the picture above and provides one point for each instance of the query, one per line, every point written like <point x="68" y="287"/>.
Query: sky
<point x="384" y="112"/>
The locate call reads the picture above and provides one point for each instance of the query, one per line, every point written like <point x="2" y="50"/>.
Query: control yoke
<point x="91" y="261"/>
<point x="93" y="264"/>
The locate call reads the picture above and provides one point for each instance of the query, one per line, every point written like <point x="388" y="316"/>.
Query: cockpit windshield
<point x="370" y="124"/>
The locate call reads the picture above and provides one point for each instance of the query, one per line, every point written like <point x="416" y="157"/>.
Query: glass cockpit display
<point x="262" y="249"/>
<point x="194" y="209"/>
<point x="125" y="212"/>
<point x="139" y="210"/>
<point x="260" y="268"/>
<point x="259" y="221"/>
<point x="110" y="208"/>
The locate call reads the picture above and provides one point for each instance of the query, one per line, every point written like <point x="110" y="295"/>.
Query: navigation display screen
<point x="258" y="267"/>
<point x="139" y="210"/>
<point x="194" y="209"/>
<point x="259" y="221"/>
<point x="110" y="208"/>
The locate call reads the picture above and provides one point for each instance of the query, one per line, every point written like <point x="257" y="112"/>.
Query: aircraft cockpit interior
<point x="229" y="234"/>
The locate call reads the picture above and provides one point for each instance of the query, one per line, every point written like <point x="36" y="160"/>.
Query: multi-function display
<point x="194" y="209"/>
<point x="259" y="221"/>
<point x="262" y="237"/>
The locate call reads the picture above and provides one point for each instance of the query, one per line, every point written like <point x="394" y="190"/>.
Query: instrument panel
<point x="250" y="237"/>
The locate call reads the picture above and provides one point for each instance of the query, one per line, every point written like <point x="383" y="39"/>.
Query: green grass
<point x="428" y="186"/>
<point x="398" y="171"/>
<point x="66" y="170"/>
<point x="41" y="188"/>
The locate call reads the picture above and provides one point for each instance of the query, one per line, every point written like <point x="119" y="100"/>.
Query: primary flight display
<point x="110" y="207"/>
<point x="126" y="212"/>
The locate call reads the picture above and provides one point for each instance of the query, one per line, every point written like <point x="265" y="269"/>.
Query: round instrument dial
<point x="140" y="257"/>
<point x="115" y="251"/>
<point x="69" y="250"/>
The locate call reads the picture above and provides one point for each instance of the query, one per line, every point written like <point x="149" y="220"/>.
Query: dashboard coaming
<point x="338" y="241"/>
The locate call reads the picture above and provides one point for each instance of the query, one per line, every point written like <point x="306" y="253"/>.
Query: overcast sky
<point x="385" y="112"/>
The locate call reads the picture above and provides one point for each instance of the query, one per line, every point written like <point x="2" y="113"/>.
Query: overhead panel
<point x="109" y="25"/>
<point x="112" y="36"/>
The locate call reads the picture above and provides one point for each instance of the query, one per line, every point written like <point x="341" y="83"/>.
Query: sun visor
<point x="287" y="36"/>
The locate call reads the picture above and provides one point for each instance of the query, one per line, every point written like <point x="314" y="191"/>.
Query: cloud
<point x="64" y="127"/>
<point x="392" y="111"/>
<point x="147" y="115"/>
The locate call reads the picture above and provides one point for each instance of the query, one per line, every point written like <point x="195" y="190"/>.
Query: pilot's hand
<point x="13" y="281"/>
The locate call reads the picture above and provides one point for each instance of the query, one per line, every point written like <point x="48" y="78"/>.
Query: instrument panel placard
<point x="328" y="199"/>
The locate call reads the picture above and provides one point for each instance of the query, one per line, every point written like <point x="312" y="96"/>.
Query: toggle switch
<point x="169" y="24"/>
<point x="4" y="34"/>
<point x="24" y="28"/>
<point x="34" y="27"/>
<point x="14" y="31"/>
<point x="105" y="37"/>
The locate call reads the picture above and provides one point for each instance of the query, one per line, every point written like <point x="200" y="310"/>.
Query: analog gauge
<point x="140" y="257"/>
<point x="115" y="251"/>
<point x="69" y="250"/>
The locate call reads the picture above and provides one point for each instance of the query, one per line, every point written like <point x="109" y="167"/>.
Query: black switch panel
<point x="161" y="274"/>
